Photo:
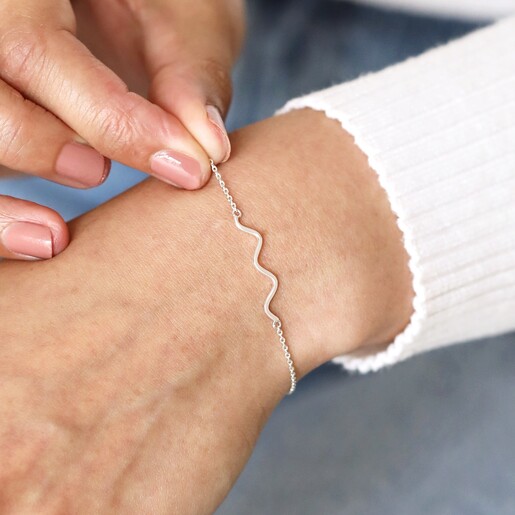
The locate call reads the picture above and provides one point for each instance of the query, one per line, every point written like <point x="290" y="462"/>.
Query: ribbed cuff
<point x="439" y="130"/>
<point x="474" y="10"/>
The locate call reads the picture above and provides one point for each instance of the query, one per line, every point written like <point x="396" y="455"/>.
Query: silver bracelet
<point x="276" y="321"/>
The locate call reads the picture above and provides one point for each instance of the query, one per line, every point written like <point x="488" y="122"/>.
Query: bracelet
<point x="276" y="321"/>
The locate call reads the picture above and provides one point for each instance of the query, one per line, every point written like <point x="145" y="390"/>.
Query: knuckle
<point x="117" y="127"/>
<point x="13" y="133"/>
<point x="22" y="52"/>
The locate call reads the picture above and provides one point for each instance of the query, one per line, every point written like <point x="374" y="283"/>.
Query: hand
<point x="138" y="367"/>
<point x="73" y="82"/>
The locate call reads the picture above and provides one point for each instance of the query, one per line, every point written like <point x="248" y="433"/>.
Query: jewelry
<point x="276" y="321"/>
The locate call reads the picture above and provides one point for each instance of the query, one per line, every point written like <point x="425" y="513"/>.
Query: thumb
<point x="189" y="52"/>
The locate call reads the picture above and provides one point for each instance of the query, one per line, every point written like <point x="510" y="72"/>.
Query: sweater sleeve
<point x="464" y="9"/>
<point x="439" y="130"/>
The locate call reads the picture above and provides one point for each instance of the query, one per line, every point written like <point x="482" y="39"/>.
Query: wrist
<point x="330" y="235"/>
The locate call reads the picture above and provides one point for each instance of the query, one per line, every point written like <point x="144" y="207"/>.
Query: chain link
<point x="276" y="321"/>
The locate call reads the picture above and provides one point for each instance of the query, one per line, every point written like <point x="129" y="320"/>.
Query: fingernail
<point x="214" y="115"/>
<point x="176" y="169"/>
<point x="29" y="240"/>
<point x="82" y="165"/>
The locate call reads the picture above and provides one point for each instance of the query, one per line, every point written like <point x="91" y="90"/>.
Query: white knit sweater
<point x="468" y="9"/>
<point x="439" y="130"/>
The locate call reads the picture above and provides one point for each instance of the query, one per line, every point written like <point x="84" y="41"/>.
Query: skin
<point x="141" y="369"/>
<point x="126" y="78"/>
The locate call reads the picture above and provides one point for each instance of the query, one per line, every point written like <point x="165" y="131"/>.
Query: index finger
<point x="55" y="70"/>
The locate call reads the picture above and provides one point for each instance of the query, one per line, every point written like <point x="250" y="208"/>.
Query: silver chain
<point x="276" y="321"/>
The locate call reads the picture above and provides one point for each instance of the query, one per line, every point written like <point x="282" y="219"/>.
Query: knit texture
<point x="439" y="130"/>
<point x="464" y="9"/>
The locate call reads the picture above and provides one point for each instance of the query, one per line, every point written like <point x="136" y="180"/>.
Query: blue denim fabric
<point x="433" y="435"/>
<point x="298" y="46"/>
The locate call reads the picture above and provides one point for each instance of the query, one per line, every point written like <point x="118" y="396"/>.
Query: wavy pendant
<point x="276" y="321"/>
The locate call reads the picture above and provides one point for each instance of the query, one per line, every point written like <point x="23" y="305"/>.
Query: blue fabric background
<point x="433" y="435"/>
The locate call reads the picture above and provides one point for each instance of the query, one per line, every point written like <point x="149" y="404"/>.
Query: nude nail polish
<point x="176" y="169"/>
<point x="28" y="240"/>
<point x="215" y="117"/>
<point x="82" y="165"/>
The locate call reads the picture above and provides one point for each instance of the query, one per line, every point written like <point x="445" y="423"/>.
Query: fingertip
<point x="107" y="170"/>
<point x="81" y="166"/>
<point x="204" y="178"/>
<point x="202" y="117"/>
<point x="60" y="237"/>
<point x="221" y="143"/>
<point x="27" y="241"/>
<point x="56" y="224"/>
<point x="180" y="170"/>
<point x="30" y="232"/>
